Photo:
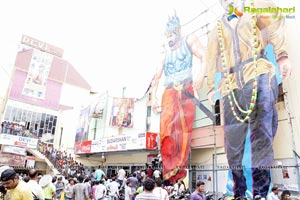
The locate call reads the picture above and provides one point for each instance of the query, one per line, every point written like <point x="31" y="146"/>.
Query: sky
<point x="113" y="44"/>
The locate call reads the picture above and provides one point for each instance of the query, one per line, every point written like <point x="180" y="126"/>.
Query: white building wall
<point x="291" y="85"/>
<point x="103" y="125"/>
<point x="74" y="97"/>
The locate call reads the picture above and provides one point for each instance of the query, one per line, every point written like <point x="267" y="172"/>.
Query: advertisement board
<point x="12" y="159"/>
<point x="133" y="141"/>
<point x="19" y="141"/>
<point x="83" y="147"/>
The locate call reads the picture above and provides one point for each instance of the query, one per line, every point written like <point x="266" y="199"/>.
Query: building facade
<point x="42" y="87"/>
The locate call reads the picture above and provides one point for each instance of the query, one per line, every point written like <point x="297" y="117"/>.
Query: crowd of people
<point x="93" y="186"/>
<point x="17" y="129"/>
<point x="61" y="160"/>
<point x="97" y="186"/>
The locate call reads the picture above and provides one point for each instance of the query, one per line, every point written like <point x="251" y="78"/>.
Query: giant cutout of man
<point x="248" y="88"/>
<point x="177" y="109"/>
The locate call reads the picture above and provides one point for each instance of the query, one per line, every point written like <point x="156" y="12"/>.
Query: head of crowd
<point x="47" y="186"/>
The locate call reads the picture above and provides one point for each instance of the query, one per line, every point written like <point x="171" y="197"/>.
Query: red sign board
<point x="83" y="147"/>
<point x="151" y="142"/>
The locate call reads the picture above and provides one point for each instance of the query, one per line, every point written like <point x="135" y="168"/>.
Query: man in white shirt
<point x="113" y="188"/>
<point x="35" y="187"/>
<point x="148" y="194"/>
<point x="159" y="191"/>
<point x="274" y="194"/>
<point x="156" y="174"/>
<point x="121" y="176"/>
<point x="128" y="191"/>
<point x="100" y="190"/>
<point x="176" y="187"/>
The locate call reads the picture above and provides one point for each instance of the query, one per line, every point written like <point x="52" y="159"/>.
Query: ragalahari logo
<point x="277" y="12"/>
<point x="233" y="13"/>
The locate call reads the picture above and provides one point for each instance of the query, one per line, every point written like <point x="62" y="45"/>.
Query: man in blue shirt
<point x="198" y="194"/>
<point x="60" y="186"/>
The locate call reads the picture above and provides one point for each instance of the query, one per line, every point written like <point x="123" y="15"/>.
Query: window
<point x="54" y="121"/>
<point x="34" y="121"/>
<point x="28" y="117"/>
<point x="18" y="115"/>
<point x="148" y="122"/>
<point x="41" y="132"/>
<point x="43" y="116"/>
<point x="38" y="117"/>
<point x="50" y="125"/>
<point x="47" y="119"/>
<point x="42" y="124"/>
<point x="53" y="130"/>
<point x="23" y="115"/>
<point x="218" y="113"/>
<point x="7" y="113"/>
<point x="13" y="114"/>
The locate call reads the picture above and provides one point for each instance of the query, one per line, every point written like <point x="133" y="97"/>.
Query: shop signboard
<point x="14" y="150"/>
<point x="132" y="141"/>
<point x="98" y="145"/>
<point x="42" y="46"/>
<point x="137" y="141"/>
<point x="19" y="141"/>
<point x="117" y="143"/>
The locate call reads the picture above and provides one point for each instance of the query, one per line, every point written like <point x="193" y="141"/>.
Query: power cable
<point x="208" y="8"/>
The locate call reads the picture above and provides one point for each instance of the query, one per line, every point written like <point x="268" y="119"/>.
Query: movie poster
<point x="83" y="125"/>
<point x="97" y="107"/>
<point x="122" y="112"/>
<point x="35" y="83"/>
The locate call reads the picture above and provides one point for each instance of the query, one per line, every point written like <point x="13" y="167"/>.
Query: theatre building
<point x="40" y="88"/>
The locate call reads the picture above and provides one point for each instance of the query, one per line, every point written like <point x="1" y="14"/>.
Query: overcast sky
<point x="113" y="43"/>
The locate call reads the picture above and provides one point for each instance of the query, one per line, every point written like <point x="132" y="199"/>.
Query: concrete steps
<point x="40" y="156"/>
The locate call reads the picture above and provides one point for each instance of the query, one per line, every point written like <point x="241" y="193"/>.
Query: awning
<point x="90" y="161"/>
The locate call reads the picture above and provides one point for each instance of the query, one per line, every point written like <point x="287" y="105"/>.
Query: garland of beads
<point x="226" y="74"/>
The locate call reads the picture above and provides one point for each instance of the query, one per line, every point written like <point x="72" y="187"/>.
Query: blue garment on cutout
<point x="247" y="152"/>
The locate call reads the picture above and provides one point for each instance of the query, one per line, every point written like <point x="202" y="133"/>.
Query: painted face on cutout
<point x="172" y="38"/>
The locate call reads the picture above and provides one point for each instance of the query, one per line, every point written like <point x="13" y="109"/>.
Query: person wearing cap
<point x="198" y="194"/>
<point x="37" y="190"/>
<point x="48" y="187"/>
<point x="16" y="189"/>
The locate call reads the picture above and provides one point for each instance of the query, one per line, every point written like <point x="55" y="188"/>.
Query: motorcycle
<point x="185" y="195"/>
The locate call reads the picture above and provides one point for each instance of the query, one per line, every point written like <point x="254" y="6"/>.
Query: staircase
<point x="40" y="156"/>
